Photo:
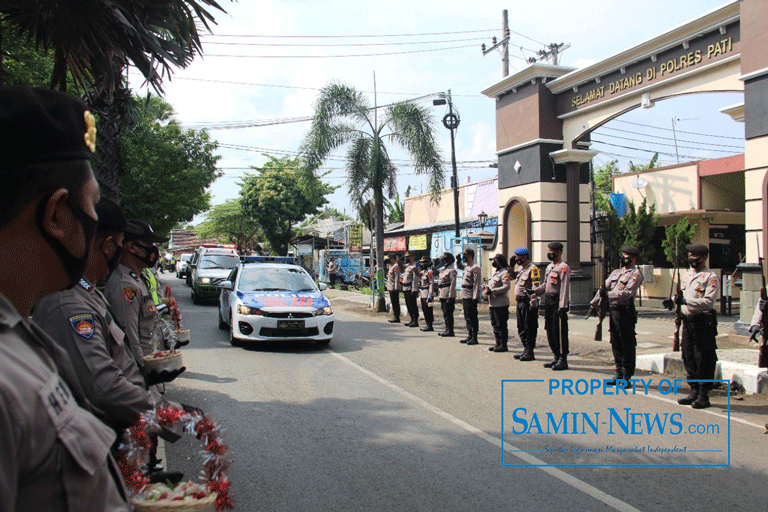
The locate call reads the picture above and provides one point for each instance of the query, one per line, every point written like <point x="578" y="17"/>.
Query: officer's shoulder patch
<point x="82" y="324"/>
<point x="130" y="293"/>
<point x="535" y="271"/>
<point x="87" y="287"/>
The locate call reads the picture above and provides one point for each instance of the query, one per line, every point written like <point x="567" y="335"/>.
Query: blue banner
<point x="619" y="203"/>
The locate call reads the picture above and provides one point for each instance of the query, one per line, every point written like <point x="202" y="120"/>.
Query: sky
<point x="266" y="60"/>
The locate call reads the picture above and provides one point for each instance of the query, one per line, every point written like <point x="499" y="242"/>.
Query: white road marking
<point x="713" y="413"/>
<point x="571" y="480"/>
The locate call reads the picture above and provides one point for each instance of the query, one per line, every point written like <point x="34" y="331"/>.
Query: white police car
<point x="274" y="302"/>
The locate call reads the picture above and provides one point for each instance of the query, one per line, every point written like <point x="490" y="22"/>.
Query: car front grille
<point x="271" y="332"/>
<point x="287" y="315"/>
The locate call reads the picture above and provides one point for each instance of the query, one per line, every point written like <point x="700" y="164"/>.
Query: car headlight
<point x="205" y="280"/>
<point x="327" y="310"/>
<point x="242" y="309"/>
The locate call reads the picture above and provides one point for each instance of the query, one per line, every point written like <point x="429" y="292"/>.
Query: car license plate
<point x="290" y="324"/>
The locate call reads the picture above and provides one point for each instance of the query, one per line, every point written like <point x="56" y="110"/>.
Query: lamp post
<point x="451" y="121"/>
<point x="483" y="217"/>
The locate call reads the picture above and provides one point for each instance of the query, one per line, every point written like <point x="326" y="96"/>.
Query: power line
<point x="309" y="88"/>
<point x="340" y="56"/>
<point x="304" y="45"/>
<point x="697" y="158"/>
<point x="669" y="144"/>
<point x="664" y="138"/>
<point x="679" y="131"/>
<point x="347" y="36"/>
<point x="529" y="38"/>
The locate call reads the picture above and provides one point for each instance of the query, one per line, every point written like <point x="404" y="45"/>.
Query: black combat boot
<point x="472" y="339"/>
<point x="394" y="320"/>
<point x="527" y="355"/>
<point x="502" y="347"/>
<point x="619" y="375"/>
<point x="552" y="362"/>
<point x="562" y="364"/>
<point x="498" y="343"/>
<point x="448" y="333"/>
<point x="702" y="400"/>
<point x="688" y="400"/>
<point x="428" y="328"/>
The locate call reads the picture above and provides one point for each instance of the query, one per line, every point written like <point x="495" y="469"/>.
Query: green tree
<point x="603" y="179"/>
<point x="229" y="224"/>
<point x="639" y="227"/>
<point x="21" y="63"/>
<point x="276" y="201"/>
<point x="644" y="167"/>
<point x="168" y="170"/>
<point x="677" y="237"/>
<point x="94" y="42"/>
<point x="396" y="210"/>
<point x="343" y="116"/>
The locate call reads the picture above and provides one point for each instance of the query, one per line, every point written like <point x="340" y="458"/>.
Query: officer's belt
<point x="443" y="285"/>
<point x="697" y="317"/>
<point x="621" y="307"/>
<point x="521" y="298"/>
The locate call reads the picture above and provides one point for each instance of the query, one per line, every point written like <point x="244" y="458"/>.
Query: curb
<point x="754" y="380"/>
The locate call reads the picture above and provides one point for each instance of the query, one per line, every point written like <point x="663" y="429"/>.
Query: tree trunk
<point x="381" y="305"/>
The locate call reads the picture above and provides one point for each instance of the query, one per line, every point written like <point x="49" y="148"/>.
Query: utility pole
<point x="451" y="121"/>
<point x="553" y="50"/>
<point x="503" y="44"/>
<point x="674" y="135"/>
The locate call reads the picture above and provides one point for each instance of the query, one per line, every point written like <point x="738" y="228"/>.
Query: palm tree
<point x="343" y="116"/>
<point x="94" y="42"/>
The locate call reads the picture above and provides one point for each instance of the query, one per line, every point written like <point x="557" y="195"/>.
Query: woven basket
<point x="207" y="504"/>
<point x="170" y="363"/>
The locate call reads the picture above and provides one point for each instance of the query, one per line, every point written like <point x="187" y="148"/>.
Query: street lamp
<point x="451" y="121"/>
<point x="483" y="217"/>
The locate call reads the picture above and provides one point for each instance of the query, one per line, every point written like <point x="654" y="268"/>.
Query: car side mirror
<point x="226" y="285"/>
<point x="323" y="286"/>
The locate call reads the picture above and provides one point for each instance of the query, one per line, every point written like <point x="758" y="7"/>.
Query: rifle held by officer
<point x="599" y="305"/>
<point x="762" y="360"/>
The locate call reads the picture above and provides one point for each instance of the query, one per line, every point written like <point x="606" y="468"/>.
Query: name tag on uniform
<point x="58" y="400"/>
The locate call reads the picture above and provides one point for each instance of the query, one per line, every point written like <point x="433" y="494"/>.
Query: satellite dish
<point x="638" y="183"/>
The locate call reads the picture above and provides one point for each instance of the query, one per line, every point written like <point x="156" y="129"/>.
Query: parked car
<point x="182" y="265"/>
<point x="210" y="266"/>
<point x="274" y="302"/>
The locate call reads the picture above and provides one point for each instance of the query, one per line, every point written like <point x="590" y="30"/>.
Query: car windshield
<point x="219" y="262"/>
<point x="186" y="257"/>
<point x="257" y="279"/>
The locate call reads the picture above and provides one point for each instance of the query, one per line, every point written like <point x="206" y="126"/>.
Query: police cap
<point x="139" y="230"/>
<point x="500" y="259"/>
<point x="424" y="260"/>
<point x="522" y="251"/>
<point x="555" y="246"/>
<point x="697" y="249"/>
<point x="111" y="216"/>
<point x="39" y="125"/>
<point x="469" y="252"/>
<point x="632" y="251"/>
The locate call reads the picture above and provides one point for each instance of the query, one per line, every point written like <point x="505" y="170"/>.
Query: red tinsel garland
<point x="136" y="445"/>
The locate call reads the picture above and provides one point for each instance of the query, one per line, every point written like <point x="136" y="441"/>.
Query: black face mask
<point x="75" y="267"/>
<point x="519" y="261"/>
<point x="494" y="264"/>
<point x="152" y="254"/>
<point x="551" y="256"/>
<point x="694" y="262"/>
<point x="625" y="262"/>
<point x="114" y="261"/>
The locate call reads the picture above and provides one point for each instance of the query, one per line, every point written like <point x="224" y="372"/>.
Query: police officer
<point x="393" y="287"/>
<point x="698" y="344"/>
<point x="54" y="453"/>
<point x="497" y="291"/>
<point x="428" y="290"/>
<point x="332" y="269"/>
<point x="446" y="285"/>
<point x="620" y="289"/>
<point x="81" y="322"/>
<point x="411" y="278"/>
<point x="129" y="297"/>
<point x="526" y="279"/>
<point x="470" y="294"/>
<point x="555" y="291"/>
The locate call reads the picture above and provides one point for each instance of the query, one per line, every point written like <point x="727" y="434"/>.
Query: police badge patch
<point x="130" y="294"/>
<point x="82" y="325"/>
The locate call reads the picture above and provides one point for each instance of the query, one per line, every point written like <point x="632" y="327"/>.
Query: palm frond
<point x="411" y="126"/>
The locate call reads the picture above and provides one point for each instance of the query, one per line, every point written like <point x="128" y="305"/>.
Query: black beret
<point x="40" y="125"/>
<point x="139" y="230"/>
<point x="632" y="251"/>
<point x="555" y="246"/>
<point x="697" y="249"/>
<point x="500" y="260"/>
<point x="111" y="216"/>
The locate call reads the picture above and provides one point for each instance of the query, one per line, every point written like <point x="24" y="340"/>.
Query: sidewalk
<point x="737" y="356"/>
